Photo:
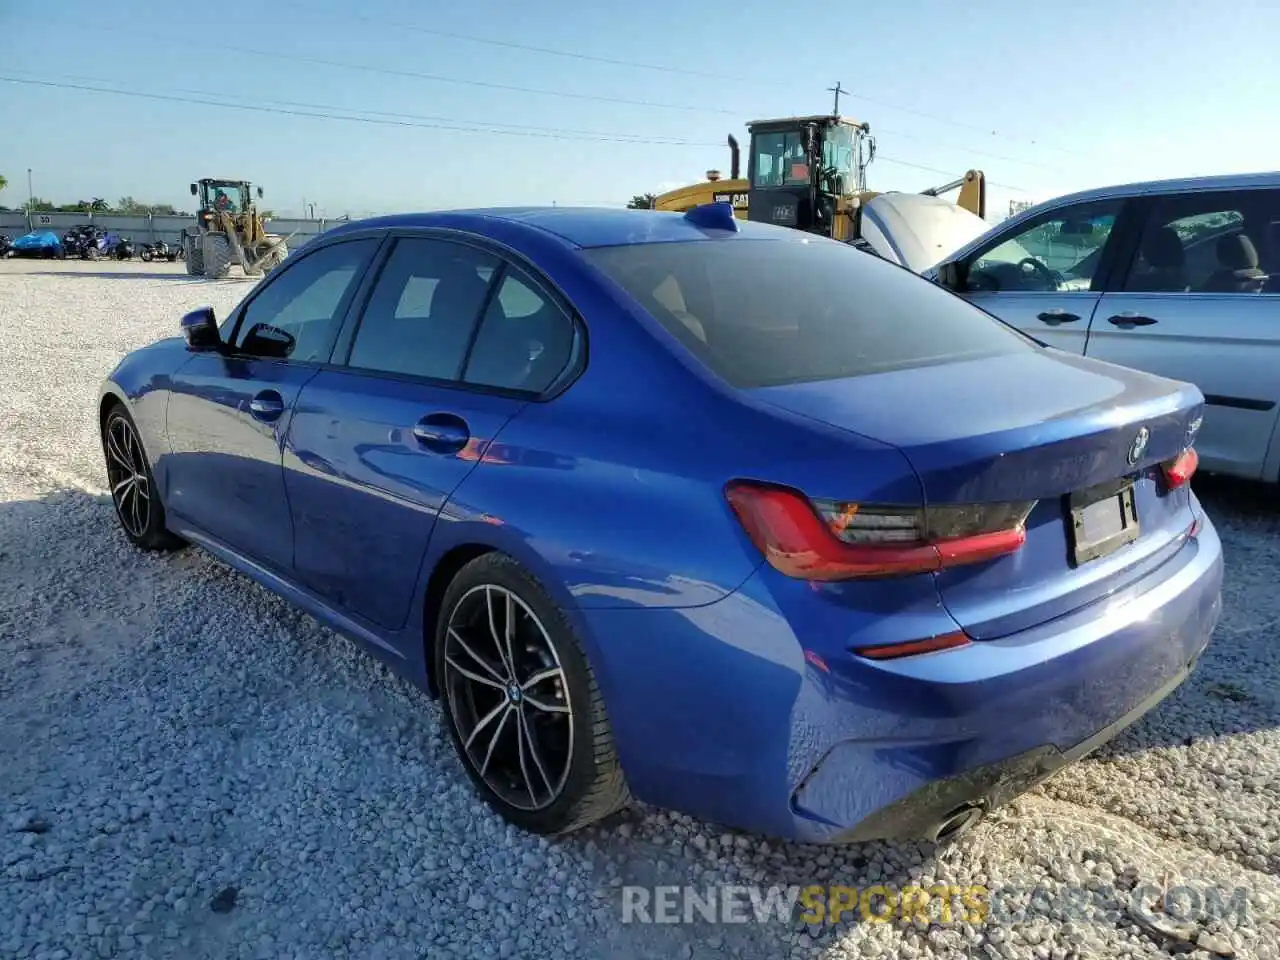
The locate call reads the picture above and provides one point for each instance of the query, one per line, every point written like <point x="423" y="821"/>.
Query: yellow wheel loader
<point x="229" y="231"/>
<point x="809" y="173"/>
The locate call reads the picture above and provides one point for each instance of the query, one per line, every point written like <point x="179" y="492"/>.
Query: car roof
<point x="576" y="226"/>
<point x="1230" y="181"/>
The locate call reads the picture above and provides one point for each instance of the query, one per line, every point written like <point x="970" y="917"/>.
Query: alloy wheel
<point x="508" y="696"/>
<point x="128" y="477"/>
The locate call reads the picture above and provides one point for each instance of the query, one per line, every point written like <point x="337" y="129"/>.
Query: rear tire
<point x="521" y="701"/>
<point x="132" y="485"/>
<point x="216" y="254"/>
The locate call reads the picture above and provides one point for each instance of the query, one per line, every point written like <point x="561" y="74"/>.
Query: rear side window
<point x="524" y="342"/>
<point x="1214" y="242"/>
<point x="423" y="310"/>
<point x="766" y="312"/>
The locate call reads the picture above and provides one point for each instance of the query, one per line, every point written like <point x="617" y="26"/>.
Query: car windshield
<point x="767" y="312"/>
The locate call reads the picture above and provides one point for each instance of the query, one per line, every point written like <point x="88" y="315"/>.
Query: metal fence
<point x="144" y="229"/>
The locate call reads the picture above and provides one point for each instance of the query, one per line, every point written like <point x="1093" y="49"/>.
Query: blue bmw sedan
<point x="720" y="516"/>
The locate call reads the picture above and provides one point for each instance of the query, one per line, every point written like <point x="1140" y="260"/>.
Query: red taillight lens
<point x="1179" y="472"/>
<point x="831" y="540"/>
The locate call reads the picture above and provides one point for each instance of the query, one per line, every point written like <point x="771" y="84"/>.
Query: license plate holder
<point x="1101" y="520"/>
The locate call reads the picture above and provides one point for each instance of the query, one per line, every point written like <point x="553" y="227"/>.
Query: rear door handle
<point x="266" y="406"/>
<point x="1128" y="320"/>
<point x="442" y="432"/>
<point x="1056" y="316"/>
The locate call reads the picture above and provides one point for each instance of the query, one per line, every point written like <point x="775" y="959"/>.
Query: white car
<point x="1179" y="278"/>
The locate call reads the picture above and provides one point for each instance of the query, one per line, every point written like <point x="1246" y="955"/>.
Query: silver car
<point x="1178" y="277"/>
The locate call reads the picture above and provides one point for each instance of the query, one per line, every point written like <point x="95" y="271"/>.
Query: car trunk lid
<point x="1080" y="439"/>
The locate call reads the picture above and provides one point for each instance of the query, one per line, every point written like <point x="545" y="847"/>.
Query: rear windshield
<point x="767" y="312"/>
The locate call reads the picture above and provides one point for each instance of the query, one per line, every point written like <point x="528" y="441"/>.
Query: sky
<point x="499" y="102"/>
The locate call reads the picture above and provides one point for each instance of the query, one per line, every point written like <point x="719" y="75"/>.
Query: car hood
<point x="916" y="230"/>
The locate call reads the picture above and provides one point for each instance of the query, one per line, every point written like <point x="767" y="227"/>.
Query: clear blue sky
<point x="1044" y="97"/>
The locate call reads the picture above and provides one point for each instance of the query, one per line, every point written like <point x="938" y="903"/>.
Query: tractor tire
<point x="216" y="254"/>
<point x="193" y="256"/>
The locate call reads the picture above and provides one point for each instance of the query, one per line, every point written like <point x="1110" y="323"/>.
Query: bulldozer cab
<point x="807" y="172"/>
<point x="224" y="196"/>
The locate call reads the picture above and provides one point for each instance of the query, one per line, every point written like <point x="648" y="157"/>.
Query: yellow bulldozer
<point x="229" y="230"/>
<point x="808" y="173"/>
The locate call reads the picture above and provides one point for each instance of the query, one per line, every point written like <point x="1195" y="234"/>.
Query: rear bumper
<point x="723" y="712"/>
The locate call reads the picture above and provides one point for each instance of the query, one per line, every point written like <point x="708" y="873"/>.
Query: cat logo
<point x="738" y="200"/>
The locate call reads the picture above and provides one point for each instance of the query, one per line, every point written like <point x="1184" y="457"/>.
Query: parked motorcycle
<point x="85" y="241"/>
<point x="123" y="249"/>
<point x="159" y="251"/>
<point x="6" y="246"/>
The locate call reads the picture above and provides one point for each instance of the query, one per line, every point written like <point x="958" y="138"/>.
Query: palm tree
<point x="98" y="205"/>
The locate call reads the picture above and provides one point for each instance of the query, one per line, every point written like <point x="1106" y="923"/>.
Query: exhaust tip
<point x="957" y="823"/>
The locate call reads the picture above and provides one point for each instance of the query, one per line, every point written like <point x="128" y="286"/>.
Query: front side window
<point x="1060" y="253"/>
<point x="1204" y="243"/>
<point x="423" y="310"/>
<point x="296" y="316"/>
<point x="765" y="312"/>
<point x="780" y="160"/>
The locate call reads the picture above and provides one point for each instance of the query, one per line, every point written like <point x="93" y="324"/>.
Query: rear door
<point x="1195" y="301"/>
<point x="453" y="342"/>
<point x="1044" y="276"/>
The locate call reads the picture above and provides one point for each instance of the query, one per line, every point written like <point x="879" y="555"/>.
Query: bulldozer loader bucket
<point x="274" y="245"/>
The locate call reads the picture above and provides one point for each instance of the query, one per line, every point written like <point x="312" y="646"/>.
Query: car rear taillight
<point x="1179" y="471"/>
<point x="835" y="540"/>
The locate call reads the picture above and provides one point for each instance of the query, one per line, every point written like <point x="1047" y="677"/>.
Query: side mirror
<point x="194" y="191"/>
<point x="200" y="327"/>
<point x="950" y="275"/>
<point x="268" y="342"/>
<point x="259" y="193"/>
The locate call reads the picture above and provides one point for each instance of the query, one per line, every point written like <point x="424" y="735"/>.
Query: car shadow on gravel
<point x="85" y="275"/>
<point x="1235" y="688"/>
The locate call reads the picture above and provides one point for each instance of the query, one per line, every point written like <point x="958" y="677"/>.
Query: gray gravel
<point x="190" y="768"/>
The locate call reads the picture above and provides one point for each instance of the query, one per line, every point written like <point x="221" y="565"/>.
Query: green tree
<point x="40" y="203"/>
<point x="3" y="182"/>
<point x="131" y="207"/>
<point x="98" y="205"/>
<point x="267" y="214"/>
<point x="642" y="201"/>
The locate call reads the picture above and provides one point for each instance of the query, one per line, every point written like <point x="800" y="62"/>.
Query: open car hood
<point x="916" y="230"/>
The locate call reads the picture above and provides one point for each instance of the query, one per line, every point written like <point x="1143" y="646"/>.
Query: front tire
<point x="521" y="702"/>
<point x="216" y="254"/>
<point x="133" y="489"/>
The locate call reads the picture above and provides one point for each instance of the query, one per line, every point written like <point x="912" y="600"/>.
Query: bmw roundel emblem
<point x="1139" y="445"/>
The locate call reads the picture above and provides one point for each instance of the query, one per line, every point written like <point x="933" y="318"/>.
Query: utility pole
<point x="30" y="194"/>
<point x="837" y="90"/>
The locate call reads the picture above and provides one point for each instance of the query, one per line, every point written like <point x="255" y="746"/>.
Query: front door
<point x="1197" y="303"/>
<point x="376" y="449"/>
<point x="1043" y="277"/>
<point x="229" y="411"/>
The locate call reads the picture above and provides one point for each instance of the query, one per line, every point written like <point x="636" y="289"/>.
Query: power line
<point x="512" y="45"/>
<point x="447" y="122"/>
<point x="433" y="77"/>
<point x="327" y="113"/>
<point x="642" y="65"/>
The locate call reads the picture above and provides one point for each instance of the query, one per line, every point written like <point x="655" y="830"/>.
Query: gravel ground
<point x="190" y="768"/>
